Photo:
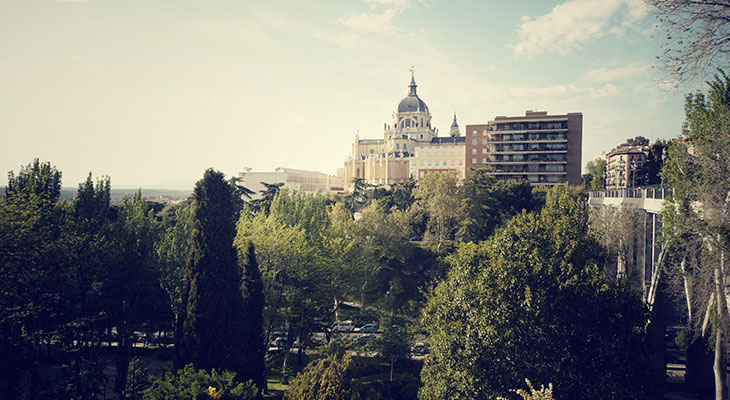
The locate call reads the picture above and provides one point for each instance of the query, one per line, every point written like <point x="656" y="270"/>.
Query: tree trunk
<point x="720" y="363"/>
<point x="337" y="308"/>
<point x="362" y="298"/>
<point x="687" y="289"/>
<point x="284" y="374"/>
<point x="392" y="361"/>
<point x="123" y="360"/>
<point x="656" y="275"/>
<point x="621" y="266"/>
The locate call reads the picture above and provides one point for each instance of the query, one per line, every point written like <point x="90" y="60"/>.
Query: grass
<point x="276" y="388"/>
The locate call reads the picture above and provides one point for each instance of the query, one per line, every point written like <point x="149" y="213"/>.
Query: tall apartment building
<point x="624" y="167"/>
<point x="544" y="149"/>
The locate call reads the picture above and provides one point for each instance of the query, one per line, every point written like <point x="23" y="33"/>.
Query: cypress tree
<point x="253" y="296"/>
<point x="211" y="331"/>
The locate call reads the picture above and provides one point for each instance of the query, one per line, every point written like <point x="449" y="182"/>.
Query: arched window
<point x="397" y="146"/>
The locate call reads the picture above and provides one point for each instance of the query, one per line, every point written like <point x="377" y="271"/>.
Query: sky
<point x="152" y="93"/>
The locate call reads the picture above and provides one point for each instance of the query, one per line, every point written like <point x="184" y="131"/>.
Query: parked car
<point x="368" y="328"/>
<point x="279" y="341"/>
<point x="366" y="339"/>
<point x="343" y="326"/>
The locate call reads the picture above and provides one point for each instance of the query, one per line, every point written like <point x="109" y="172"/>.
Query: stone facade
<point x="624" y="167"/>
<point x="391" y="159"/>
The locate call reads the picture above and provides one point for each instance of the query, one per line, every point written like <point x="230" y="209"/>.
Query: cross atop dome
<point x="412" y="86"/>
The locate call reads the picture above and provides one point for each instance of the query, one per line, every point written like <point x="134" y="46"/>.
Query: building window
<point x="372" y="151"/>
<point x="484" y="132"/>
<point x="484" y="160"/>
<point x="397" y="146"/>
<point x="485" y="141"/>
<point x="484" y="151"/>
<point x="404" y="146"/>
<point x="473" y="160"/>
<point x="474" y="142"/>
<point x="473" y="151"/>
<point x="474" y="133"/>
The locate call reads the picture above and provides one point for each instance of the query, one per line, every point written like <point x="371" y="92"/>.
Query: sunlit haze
<point x="151" y="93"/>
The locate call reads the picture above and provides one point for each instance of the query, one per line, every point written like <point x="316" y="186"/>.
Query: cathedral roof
<point x="412" y="103"/>
<point x="451" y="139"/>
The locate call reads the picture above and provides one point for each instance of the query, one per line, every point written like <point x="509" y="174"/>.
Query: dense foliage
<point x="330" y="378"/>
<point x="696" y="223"/>
<point x="198" y="384"/>
<point x="210" y="332"/>
<point x="82" y="279"/>
<point x="531" y="302"/>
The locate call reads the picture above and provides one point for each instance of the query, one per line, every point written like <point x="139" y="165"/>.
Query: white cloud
<point x="369" y="22"/>
<point x="398" y="4"/>
<point x="574" y="22"/>
<point x="379" y="20"/>
<point x="616" y="74"/>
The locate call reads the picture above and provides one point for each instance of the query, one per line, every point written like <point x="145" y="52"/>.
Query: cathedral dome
<point x="412" y="103"/>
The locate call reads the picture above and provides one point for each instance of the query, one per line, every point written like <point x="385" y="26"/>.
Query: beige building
<point x="302" y="180"/>
<point x="405" y="150"/>
<point x="441" y="154"/>
<point x="544" y="149"/>
<point x="624" y="166"/>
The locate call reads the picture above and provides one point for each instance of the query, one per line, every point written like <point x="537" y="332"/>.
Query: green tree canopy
<point x="596" y="174"/>
<point x="39" y="178"/>
<point x="209" y="335"/>
<point x="330" y="378"/>
<point x="531" y="302"/>
<point x="198" y="384"/>
<point x="697" y="221"/>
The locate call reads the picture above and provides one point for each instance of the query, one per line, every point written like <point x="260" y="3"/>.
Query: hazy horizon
<point x="152" y="94"/>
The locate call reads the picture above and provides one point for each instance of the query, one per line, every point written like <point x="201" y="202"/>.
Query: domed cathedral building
<point x="405" y="143"/>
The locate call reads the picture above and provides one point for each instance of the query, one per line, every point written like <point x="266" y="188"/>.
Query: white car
<point x="343" y="326"/>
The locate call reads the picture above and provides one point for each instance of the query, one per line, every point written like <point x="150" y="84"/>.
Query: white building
<point x="391" y="159"/>
<point x="301" y="180"/>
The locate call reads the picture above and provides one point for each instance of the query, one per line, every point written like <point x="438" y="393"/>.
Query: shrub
<point x="190" y="383"/>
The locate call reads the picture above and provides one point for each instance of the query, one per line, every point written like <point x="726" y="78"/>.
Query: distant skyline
<point x="153" y="93"/>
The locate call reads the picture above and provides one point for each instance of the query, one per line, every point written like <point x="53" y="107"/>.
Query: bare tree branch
<point x="697" y="38"/>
